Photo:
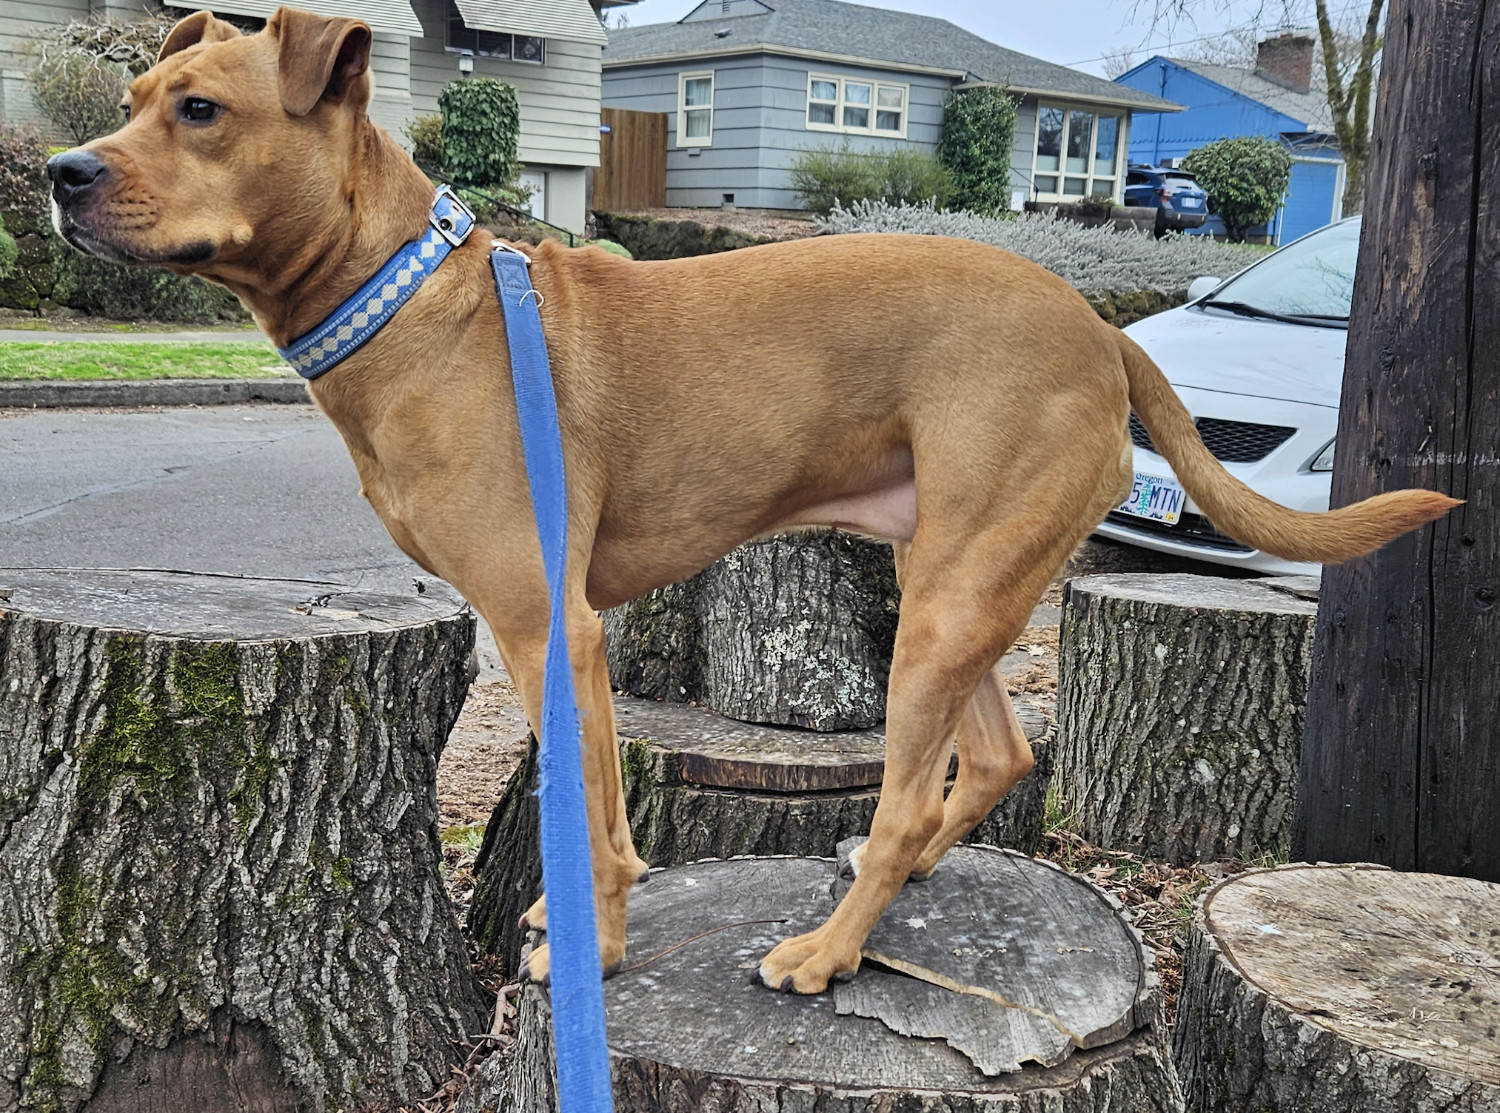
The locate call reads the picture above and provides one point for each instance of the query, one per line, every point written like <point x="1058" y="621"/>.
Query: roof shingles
<point x="874" y="34"/>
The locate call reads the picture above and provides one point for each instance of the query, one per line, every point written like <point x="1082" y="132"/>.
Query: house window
<point x="695" y="109"/>
<point x="1077" y="153"/>
<point x="463" y="39"/>
<point x="856" y="106"/>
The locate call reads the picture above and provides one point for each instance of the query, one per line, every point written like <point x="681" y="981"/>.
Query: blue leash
<point x="577" y="982"/>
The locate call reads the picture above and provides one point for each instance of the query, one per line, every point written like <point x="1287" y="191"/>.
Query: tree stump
<point x="1180" y="708"/>
<point x="698" y="785"/>
<point x="793" y="631"/>
<point x="219" y="860"/>
<point x="1003" y="983"/>
<point x="1342" y="988"/>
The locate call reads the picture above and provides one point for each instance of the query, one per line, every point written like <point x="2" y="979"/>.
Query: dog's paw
<point x="806" y="963"/>
<point x="538" y="965"/>
<point x="535" y="917"/>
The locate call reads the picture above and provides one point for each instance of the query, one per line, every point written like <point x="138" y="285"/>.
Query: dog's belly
<point x="889" y="512"/>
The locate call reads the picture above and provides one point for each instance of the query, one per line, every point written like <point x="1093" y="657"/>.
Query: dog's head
<point x="233" y="144"/>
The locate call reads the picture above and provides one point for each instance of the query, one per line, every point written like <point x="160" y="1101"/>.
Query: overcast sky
<point x="1071" y="32"/>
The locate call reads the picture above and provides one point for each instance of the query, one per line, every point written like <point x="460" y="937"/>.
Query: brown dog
<point x="960" y="402"/>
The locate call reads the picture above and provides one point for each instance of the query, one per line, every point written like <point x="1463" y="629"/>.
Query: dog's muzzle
<point x="73" y="175"/>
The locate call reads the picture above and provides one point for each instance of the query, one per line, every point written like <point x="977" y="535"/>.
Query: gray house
<point x="548" y="49"/>
<point x="746" y="84"/>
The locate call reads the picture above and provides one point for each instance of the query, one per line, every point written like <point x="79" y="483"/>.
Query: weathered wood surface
<point x="1402" y="754"/>
<point x="793" y="631"/>
<point x="698" y="785"/>
<point x="1180" y="712"/>
<point x="689" y="1029"/>
<point x="1339" y="988"/>
<point x="220" y="879"/>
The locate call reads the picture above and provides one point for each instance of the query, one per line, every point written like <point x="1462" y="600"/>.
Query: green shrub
<point x="139" y="293"/>
<point x="8" y="253"/>
<point x="79" y="93"/>
<point x="823" y="178"/>
<point x="1245" y="178"/>
<point x="979" y="128"/>
<point x="23" y="175"/>
<point x="425" y="133"/>
<point x="481" y="124"/>
<point x="1096" y="204"/>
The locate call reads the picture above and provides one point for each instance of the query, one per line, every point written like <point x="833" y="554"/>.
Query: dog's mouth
<point x="91" y="242"/>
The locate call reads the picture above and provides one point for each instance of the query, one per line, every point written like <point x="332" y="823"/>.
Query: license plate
<point x="1156" y="498"/>
<point x="1191" y="202"/>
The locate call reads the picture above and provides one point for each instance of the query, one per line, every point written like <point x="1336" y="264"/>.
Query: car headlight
<point x="1324" y="462"/>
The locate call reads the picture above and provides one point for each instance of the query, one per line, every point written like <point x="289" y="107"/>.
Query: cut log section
<point x="698" y="785"/>
<point x="1342" y="989"/>
<point x="220" y="876"/>
<point x="992" y="975"/>
<point x="1181" y="701"/>
<point x="791" y="631"/>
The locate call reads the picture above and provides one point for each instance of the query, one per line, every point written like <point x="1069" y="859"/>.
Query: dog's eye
<point x="199" y="110"/>
<point x="125" y="108"/>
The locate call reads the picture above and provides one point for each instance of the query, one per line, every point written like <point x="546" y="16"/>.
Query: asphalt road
<point x="266" y="490"/>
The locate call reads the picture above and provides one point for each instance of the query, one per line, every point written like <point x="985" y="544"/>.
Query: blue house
<point x="746" y="84"/>
<point x="1276" y="99"/>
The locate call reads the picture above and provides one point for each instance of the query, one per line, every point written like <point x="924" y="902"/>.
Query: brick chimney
<point x="1287" y="60"/>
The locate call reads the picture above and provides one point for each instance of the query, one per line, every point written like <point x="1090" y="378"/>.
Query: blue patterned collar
<point x="374" y="303"/>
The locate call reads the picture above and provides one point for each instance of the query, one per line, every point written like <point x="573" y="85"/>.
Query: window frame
<point x="452" y="13"/>
<point x="842" y="102"/>
<point x="1121" y="167"/>
<point x="683" y="139"/>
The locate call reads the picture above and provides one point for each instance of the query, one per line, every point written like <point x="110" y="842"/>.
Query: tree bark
<point x="1056" y="955"/>
<point x="1402" y="752"/>
<point x="219" y="860"/>
<point x="701" y="786"/>
<point x="1180" y="705"/>
<point x="1339" y="989"/>
<point x="793" y="631"/>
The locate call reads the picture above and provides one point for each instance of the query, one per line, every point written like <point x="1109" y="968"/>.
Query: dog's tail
<point x="1246" y="516"/>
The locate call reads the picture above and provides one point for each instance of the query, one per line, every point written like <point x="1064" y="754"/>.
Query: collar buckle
<point x="450" y="216"/>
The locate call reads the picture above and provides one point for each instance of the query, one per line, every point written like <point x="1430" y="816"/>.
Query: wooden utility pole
<point x="1401" y="758"/>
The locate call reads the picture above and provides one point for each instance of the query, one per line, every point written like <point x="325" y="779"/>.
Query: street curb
<point x="61" y="394"/>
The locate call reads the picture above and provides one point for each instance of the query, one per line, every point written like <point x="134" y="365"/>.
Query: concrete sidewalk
<point x="205" y="336"/>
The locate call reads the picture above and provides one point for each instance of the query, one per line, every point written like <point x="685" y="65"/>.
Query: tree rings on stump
<point x="698" y="785"/>
<point x="220" y="882"/>
<point x="1001" y="983"/>
<point x="1342" y="989"/>
<point x="1180" y="708"/>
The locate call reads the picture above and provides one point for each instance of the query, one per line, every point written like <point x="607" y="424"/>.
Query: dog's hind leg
<point x="993" y="755"/>
<point x="968" y="595"/>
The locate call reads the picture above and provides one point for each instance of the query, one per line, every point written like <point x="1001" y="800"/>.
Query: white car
<point x="1259" y="363"/>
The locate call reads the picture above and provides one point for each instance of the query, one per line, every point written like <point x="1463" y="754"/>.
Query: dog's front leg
<point x="616" y="866"/>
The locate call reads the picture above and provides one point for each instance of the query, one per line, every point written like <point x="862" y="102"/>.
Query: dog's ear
<point x="200" y="27"/>
<point x="319" y="57"/>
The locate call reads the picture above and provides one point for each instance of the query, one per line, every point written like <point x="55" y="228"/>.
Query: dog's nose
<point x="73" y="174"/>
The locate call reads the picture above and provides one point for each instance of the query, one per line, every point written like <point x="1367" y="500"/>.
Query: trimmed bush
<point x="480" y="127"/>
<point x="8" y="254"/>
<point x="979" y="128"/>
<point x="139" y="293"/>
<point x="825" y="177"/>
<point x="1245" y="177"/>
<point x="1096" y="261"/>
<point x="425" y="134"/>
<point x="79" y="93"/>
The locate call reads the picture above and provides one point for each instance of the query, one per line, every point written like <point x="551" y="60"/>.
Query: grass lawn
<point x="107" y="360"/>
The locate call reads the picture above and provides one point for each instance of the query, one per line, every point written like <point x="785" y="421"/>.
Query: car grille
<point x="1191" y="529"/>
<point x="1233" y="442"/>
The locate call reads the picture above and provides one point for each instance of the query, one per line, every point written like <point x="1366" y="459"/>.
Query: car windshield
<point x="1313" y="277"/>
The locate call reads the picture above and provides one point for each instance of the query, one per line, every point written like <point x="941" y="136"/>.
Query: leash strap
<point x="577" y="982"/>
<point x="374" y="303"/>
